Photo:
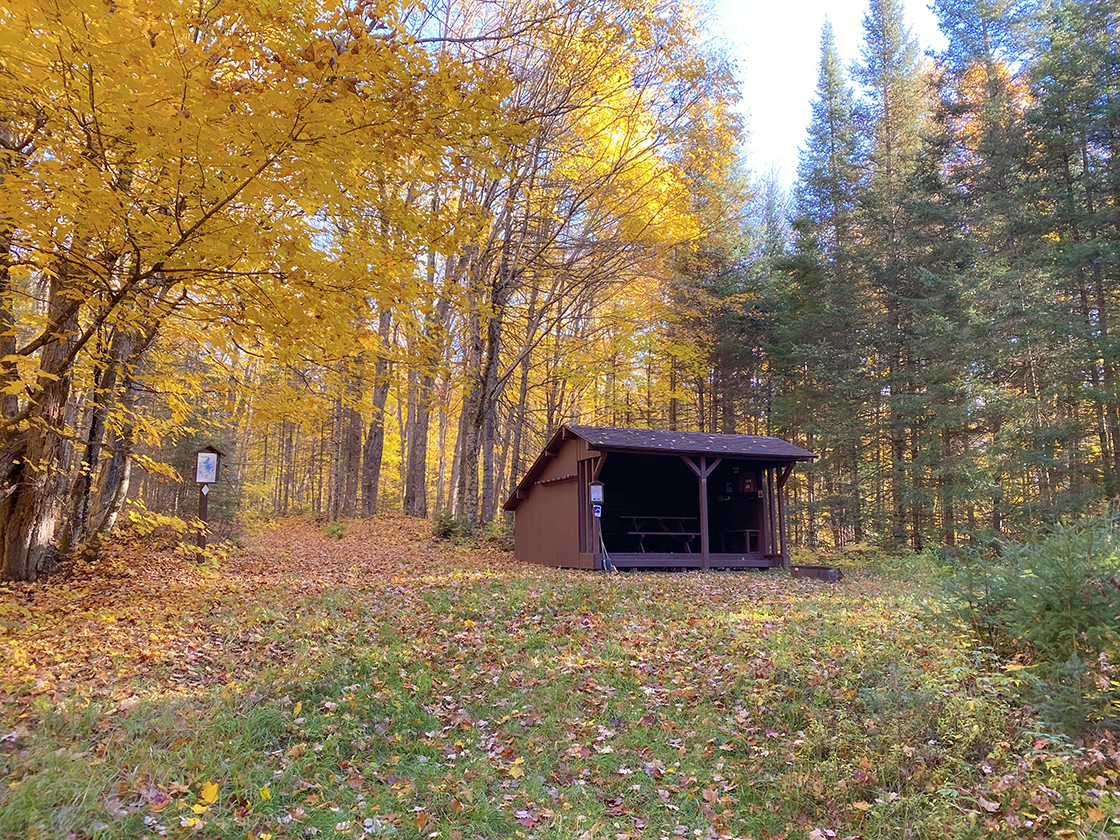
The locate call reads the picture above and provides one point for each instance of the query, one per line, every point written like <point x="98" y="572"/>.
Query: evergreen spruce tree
<point x="820" y="344"/>
<point x="828" y="170"/>
<point x="896" y="102"/>
<point x="965" y="203"/>
<point x="1074" y="131"/>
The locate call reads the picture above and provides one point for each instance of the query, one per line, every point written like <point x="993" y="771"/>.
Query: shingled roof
<point x="655" y="442"/>
<point x="690" y="443"/>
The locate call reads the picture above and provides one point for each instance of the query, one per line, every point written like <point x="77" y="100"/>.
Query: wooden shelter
<point x="669" y="500"/>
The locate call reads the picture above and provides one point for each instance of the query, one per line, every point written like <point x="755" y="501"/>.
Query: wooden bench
<point x="681" y="529"/>
<point x="728" y="539"/>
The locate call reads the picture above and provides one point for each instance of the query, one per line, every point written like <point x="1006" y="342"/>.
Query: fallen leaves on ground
<point x="387" y="682"/>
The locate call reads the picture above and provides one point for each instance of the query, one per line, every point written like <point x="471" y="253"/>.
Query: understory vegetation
<point x="1050" y="610"/>
<point x="376" y="682"/>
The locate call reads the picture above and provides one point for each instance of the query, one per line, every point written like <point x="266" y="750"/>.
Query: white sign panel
<point x="206" y="471"/>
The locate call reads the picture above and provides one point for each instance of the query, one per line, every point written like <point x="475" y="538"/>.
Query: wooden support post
<point x="774" y="512"/>
<point x="203" y="513"/>
<point x="702" y="472"/>
<point x="596" y="543"/>
<point x="207" y="463"/>
<point x="763" y="516"/>
<point x="782" y="527"/>
<point x="771" y="513"/>
<point x="583" y="509"/>
<point x="784" y="546"/>
<point x="703" y="513"/>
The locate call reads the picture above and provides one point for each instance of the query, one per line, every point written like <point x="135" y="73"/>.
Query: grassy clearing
<point x="382" y="685"/>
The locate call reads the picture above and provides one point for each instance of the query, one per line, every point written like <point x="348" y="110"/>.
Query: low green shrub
<point x="448" y="526"/>
<point x="334" y="530"/>
<point x="457" y="529"/>
<point x="498" y="535"/>
<point x="1050" y="610"/>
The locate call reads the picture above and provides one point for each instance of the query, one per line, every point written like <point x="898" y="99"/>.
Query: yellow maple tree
<point x="164" y="166"/>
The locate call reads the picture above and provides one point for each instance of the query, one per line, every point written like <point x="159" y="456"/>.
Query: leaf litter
<point x="387" y="684"/>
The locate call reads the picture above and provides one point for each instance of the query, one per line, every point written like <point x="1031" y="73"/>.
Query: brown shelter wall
<point x="547" y="529"/>
<point x="563" y="465"/>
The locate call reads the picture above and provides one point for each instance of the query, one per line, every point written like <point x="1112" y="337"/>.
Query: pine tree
<point x="821" y="338"/>
<point x="829" y="167"/>
<point x="1074" y="125"/>
<point x="980" y="163"/>
<point x="891" y="76"/>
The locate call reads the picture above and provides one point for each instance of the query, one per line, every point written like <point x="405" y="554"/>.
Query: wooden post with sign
<point x="207" y="461"/>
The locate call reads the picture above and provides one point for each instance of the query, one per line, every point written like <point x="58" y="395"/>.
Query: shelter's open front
<point x="669" y="500"/>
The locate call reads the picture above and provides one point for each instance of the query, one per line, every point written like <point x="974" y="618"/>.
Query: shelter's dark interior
<point x="647" y="493"/>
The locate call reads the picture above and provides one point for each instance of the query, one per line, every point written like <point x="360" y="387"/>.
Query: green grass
<point x="472" y="697"/>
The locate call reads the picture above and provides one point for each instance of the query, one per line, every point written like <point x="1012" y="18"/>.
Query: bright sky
<point x="777" y="44"/>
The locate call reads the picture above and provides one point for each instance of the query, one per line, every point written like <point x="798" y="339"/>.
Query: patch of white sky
<point x="776" y="44"/>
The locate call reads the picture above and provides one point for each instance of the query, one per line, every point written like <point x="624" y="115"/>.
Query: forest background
<point x="376" y="252"/>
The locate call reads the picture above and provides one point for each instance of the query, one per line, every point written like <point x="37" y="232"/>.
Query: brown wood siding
<point x="562" y="466"/>
<point x="547" y="528"/>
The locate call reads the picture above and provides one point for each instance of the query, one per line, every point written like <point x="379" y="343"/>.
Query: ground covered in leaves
<point x="388" y="685"/>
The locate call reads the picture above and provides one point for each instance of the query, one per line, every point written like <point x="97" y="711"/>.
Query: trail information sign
<point x="206" y="463"/>
<point x="206" y="467"/>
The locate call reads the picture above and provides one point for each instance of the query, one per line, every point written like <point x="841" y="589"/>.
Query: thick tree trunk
<point x="489" y="414"/>
<point x="466" y="497"/>
<point x="897" y="429"/>
<point x="334" y="464"/>
<point x="9" y="403"/>
<point x="374" y="447"/>
<point x="489" y="439"/>
<point x="457" y="462"/>
<point x="286" y="474"/>
<point x="346" y="458"/>
<point x="117" y="474"/>
<point x="32" y="485"/>
<point x="420" y="409"/>
<point x="518" y="418"/>
<point x="466" y="492"/>
<point x="416" y="468"/>
<point x="503" y="456"/>
<point x="346" y="446"/>
<point x="77" y="529"/>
